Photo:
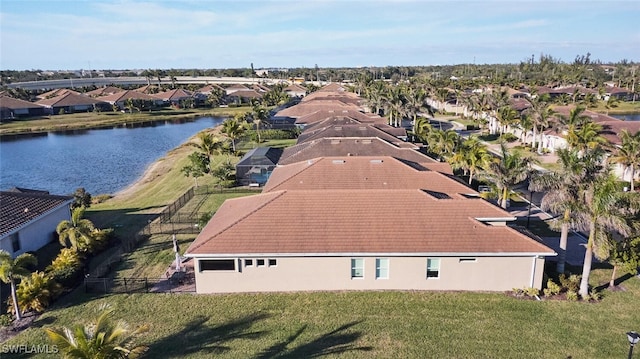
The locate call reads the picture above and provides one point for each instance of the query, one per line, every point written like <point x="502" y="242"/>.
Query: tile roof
<point x="305" y="108"/>
<point x="210" y="88"/>
<point x="70" y="99"/>
<point x="366" y="172"/>
<point x="334" y="222"/>
<point x="55" y="93"/>
<point x="332" y="87"/>
<point x="350" y="146"/>
<point x="147" y="89"/>
<point x="20" y="208"/>
<point x="14" y="103"/>
<point x="349" y="130"/>
<point x="174" y="95"/>
<point x="267" y="154"/>
<point x="329" y="115"/>
<point x="346" y="97"/>
<point x="130" y="94"/>
<point x="612" y="129"/>
<point x="245" y="94"/>
<point x="294" y="88"/>
<point x="104" y="91"/>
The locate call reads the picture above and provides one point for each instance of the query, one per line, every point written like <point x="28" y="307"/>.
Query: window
<point x="272" y="263"/>
<point x="433" y="267"/>
<point x="260" y="262"/>
<point x="382" y="268"/>
<point x="217" y="264"/>
<point x="248" y="262"/>
<point x="15" y="242"/>
<point x="466" y="260"/>
<point x="357" y="268"/>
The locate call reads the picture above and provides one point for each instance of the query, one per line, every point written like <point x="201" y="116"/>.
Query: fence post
<point x="146" y="285"/>
<point x="125" y="286"/>
<point x="104" y="281"/>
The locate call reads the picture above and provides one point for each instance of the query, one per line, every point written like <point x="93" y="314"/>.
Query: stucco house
<point x="71" y="102"/>
<point x="13" y="108"/>
<point x="363" y="223"/>
<point x="28" y="219"/>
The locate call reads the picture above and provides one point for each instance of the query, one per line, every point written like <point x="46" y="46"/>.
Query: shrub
<point x="593" y="296"/>
<point x="5" y="320"/>
<point x="531" y="292"/>
<point x="35" y="293"/>
<point x="551" y="289"/>
<point x="509" y="137"/>
<point x="65" y="268"/>
<point x="570" y="283"/>
<point x="572" y="296"/>
<point x="100" y="198"/>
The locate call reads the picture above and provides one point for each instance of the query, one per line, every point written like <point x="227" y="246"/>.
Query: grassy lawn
<point x="365" y="324"/>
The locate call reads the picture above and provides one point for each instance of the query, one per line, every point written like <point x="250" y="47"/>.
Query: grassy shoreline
<point x="91" y="120"/>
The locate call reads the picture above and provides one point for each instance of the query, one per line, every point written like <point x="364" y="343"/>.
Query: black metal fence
<point x="139" y="285"/>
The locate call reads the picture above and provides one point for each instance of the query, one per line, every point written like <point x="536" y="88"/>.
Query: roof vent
<point x="366" y="142"/>
<point x="376" y="161"/>
<point x="338" y="162"/>
<point x="335" y="142"/>
<point x="338" y="128"/>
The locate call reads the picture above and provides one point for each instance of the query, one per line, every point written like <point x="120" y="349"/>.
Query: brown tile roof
<point x="350" y="130"/>
<point x="260" y="88"/>
<point x="210" y="88"/>
<point x="294" y="88"/>
<point x="55" y="93"/>
<point x="305" y="108"/>
<point x="233" y="88"/>
<point x="350" y="146"/>
<point x="339" y="222"/>
<point x="245" y="94"/>
<point x="69" y="99"/>
<point x="332" y="87"/>
<point x="174" y="95"/>
<point x="104" y="91"/>
<point x="14" y="103"/>
<point x="147" y="89"/>
<point x="595" y="117"/>
<point x="366" y="172"/>
<point x="346" y="97"/>
<point x="130" y="94"/>
<point x="321" y="116"/>
<point x="20" y="208"/>
<point x="612" y="129"/>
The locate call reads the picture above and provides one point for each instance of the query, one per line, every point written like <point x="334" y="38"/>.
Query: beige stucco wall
<point x="405" y="273"/>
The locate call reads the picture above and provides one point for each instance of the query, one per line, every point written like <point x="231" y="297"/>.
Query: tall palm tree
<point x="421" y="128"/>
<point x="628" y="154"/>
<point x="600" y="209"/>
<point x="585" y="136"/>
<point x="233" y="129"/>
<point x="507" y="117"/>
<point x="208" y="145"/>
<point x="76" y="233"/>
<point x="12" y="270"/>
<point x="104" y="339"/>
<point x="506" y="171"/>
<point x="260" y="114"/>
<point x="562" y="186"/>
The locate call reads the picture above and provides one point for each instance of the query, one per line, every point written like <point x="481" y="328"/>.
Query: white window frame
<point x="355" y="267"/>
<point x="379" y="267"/>
<point x="275" y="262"/>
<point x="431" y="269"/>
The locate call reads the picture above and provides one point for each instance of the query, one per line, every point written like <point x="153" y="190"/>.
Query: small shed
<point x="256" y="166"/>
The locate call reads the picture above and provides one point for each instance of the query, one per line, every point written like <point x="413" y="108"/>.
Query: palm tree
<point x="600" y="209"/>
<point x="471" y="156"/>
<point x="76" y="233"/>
<point x="103" y="339"/>
<point x="12" y="270"/>
<point x="442" y="143"/>
<point x="421" y="128"/>
<point x="233" y="129"/>
<point x="209" y="144"/>
<point x="562" y="186"/>
<point x="506" y="171"/>
<point x="260" y="115"/>
<point x="628" y="154"/>
<point x="586" y="136"/>
<point x="507" y="117"/>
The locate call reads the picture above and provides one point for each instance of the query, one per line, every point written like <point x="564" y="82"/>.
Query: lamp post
<point x="633" y="340"/>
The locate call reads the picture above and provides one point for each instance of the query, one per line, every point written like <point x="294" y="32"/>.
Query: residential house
<point x="233" y="88"/>
<point x="13" y="108"/>
<point x="175" y="97"/>
<point x="143" y="100"/>
<point x="295" y="90"/>
<point x="104" y="91"/>
<point x="55" y="93"/>
<point x="255" y="167"/>
<point x="243" y="96"/>
<point x="367" y="239"/>
<point x="72" y="102"/>
<point x="28" y="219"/>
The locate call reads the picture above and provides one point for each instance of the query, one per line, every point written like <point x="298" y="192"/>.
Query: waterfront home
<point x="28" y="219"/>
<point x="71" y="102"/>
<point x="175" y="97"/>
<point x="13" y="108"/>
<point x="119" y="99"/>
<point x="255" y="167"/>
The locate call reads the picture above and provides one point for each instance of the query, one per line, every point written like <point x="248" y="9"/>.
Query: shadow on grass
<point x="198" y="337"/>
<point x="335" y="342"/>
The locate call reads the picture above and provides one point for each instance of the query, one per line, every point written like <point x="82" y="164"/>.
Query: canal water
<point x="628" y="117"/>
<point x="102" y="161"/>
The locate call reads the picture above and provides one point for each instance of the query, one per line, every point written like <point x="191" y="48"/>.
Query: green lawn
<point x="365" y="324"/>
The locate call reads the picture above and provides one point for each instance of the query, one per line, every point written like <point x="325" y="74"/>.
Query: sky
<point x="206" y="34"/>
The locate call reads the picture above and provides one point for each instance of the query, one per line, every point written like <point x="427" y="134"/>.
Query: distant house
<point x="243" y="96"/>
<point x="104" y="91"/>
<point x="295" y="90"/>
<point x="13" y="108"/>
<point x="56" y="93"/>
<point x="28" y="219"/>
<point x="175" y="97"/>
<point x="72" y="102"/>
<point x="256" y="166"/>
<point x="233" y="88"/>
<point x="119" y="99"/>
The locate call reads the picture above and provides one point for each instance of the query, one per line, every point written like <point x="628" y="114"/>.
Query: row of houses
<point x="106" y="98"/>
<point x="353" y="206"/>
